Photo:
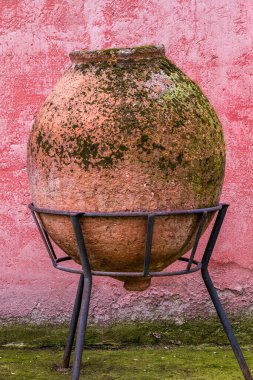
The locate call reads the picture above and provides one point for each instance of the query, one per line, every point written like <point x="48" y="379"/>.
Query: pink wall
<point x="211" y="40"/>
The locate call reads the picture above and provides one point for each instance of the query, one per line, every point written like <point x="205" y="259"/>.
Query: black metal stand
<point x="82" y="301"/>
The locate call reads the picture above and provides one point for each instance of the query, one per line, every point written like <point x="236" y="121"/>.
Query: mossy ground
<point x="198" y="363"/>
<point x="194" y="350"/>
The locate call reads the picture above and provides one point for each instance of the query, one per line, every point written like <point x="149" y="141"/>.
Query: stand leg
<point x="73" y="323"/>
<point x="83" y="317"/>
<point x="226" y="324"/>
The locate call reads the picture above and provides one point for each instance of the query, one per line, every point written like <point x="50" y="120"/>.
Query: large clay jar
<point x="125" y="130"/>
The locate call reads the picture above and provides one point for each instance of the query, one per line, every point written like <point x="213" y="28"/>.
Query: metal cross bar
<point x="196" y="242"/>
<point x="149" y="238"/>
<point x="44" y="236"/>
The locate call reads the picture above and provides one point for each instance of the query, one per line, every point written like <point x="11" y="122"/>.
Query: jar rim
<point x="118" y="54"/>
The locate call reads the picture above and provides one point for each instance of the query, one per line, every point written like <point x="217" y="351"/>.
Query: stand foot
<point x="73" y="323"/>
<point x="226" y="324"/>
<point x="82" y="324"/>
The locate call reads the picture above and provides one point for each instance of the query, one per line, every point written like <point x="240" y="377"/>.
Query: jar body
<point x="125" y="132"/>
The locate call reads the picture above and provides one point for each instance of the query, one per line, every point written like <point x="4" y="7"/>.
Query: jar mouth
<point x="118" y="54"/>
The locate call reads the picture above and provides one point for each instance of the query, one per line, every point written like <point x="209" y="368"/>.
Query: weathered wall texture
<point x="211" y="40"/>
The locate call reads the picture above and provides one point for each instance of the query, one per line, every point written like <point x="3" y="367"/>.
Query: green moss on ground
<point x="191" y="332"/>
<point x="198" y="363"/>
<point x="196" y="349"/>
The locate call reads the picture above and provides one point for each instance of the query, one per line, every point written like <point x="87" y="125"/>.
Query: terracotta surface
<point x="211" y="41"/>
<point x="125" y="130"/>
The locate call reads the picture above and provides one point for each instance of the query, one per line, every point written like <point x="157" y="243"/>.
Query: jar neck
<point x="118" y="54"/>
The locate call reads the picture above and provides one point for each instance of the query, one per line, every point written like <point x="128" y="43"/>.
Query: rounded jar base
<point x="138" y="284"/>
